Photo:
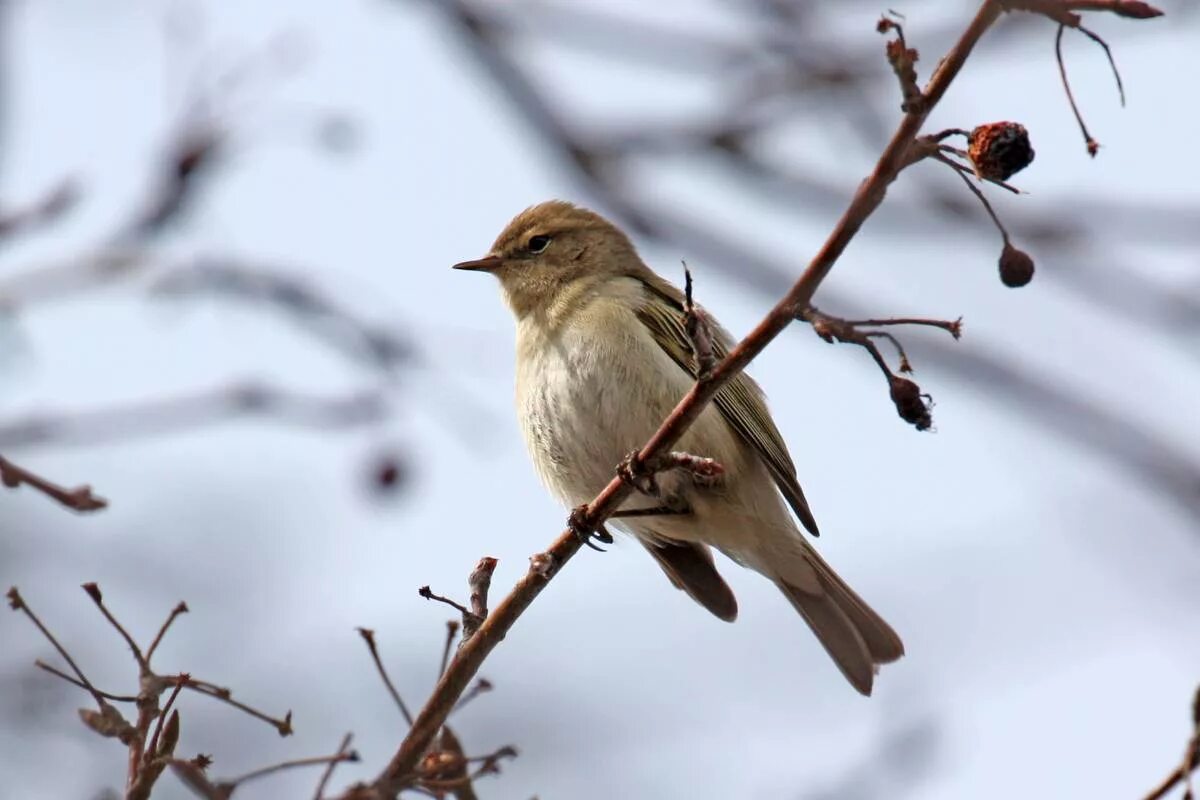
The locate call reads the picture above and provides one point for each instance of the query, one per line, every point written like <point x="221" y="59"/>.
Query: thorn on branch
<point x="451" y="634"/>
<point x="78" y="499"/>
<point x="912" y="405"/>
<point x="903" y="60"/>
<point x="699" y="331"/>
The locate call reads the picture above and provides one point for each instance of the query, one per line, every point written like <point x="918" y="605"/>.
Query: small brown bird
<point x="603" y="357"/>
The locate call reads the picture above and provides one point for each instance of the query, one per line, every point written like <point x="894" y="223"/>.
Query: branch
<point x="245" y="398"/>
<point x="869" y="196"/>
<point x="43" y="211"/>
<point x="1191" y="760"/>
<point x="78" y="499"/>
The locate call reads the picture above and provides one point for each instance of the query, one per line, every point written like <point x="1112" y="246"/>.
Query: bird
<point x="603" y="355"/>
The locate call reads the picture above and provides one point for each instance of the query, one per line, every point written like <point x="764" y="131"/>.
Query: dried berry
<point x="911" y="404"/>
<point x="999" y="150"/>
<point x="1016" y="267"/>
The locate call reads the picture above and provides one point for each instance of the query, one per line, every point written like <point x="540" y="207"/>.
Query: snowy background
<point x="1045" y="588"/>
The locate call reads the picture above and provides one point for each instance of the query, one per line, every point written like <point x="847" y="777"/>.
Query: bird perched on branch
<point x="604" y="353"/>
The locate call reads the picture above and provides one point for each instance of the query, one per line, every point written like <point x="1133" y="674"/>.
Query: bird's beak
<point x="485" y="264"/>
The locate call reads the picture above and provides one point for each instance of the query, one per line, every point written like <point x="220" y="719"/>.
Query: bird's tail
<point x="852" y="633"/>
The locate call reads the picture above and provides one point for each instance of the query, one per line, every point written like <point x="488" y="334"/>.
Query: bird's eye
<point x="538" y="243"/>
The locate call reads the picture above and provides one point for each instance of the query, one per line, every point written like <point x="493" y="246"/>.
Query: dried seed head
<point x="911" y="404"/>
<point x="999" y="150"/>
<point x="1016" y="267"/>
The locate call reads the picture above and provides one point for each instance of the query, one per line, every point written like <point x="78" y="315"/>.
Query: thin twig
<point x="978" y="193"/>
<point x="17" y="603"/>
<point x="953" y="327"/>
<point x="329" y="768"/>
<point x="93" y="591"/>
<point x="55" y="671"/>
<point x="429" y="594"/>
<point x="78" y="499"/>
<point x="339" y="757"/>
<point x="965" y="170"/>
<point x="368" y="636"/>
<point x="1092" y="145"/>
<point x="482" y="686"/>
<point x="284" y="726"/>
<point x="180" y="608"/>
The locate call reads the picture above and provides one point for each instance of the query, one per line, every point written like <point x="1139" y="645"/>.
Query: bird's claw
<point x="585" y="532"/>
<point x="632" y="471"/>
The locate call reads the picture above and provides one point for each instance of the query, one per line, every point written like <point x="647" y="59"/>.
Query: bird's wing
<point x="740" y="401"/>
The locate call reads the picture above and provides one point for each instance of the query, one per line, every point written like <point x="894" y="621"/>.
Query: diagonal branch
<point x="895" y="156"/>
<point x="78" y="499"/>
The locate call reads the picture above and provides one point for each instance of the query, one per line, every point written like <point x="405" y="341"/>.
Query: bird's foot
<point x="584" y="531"/>
<point x="636" y="473"/>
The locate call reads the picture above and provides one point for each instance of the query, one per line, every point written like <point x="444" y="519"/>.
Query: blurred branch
<point x="376" y="346"/>
<point x="42" y="212"/>
<point x="1191" y="760"/>
<point x="249" y="398"/>
<point x="78" y="499"/>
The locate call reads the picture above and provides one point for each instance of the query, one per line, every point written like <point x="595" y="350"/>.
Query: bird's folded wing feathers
<point x="740" y="401"/>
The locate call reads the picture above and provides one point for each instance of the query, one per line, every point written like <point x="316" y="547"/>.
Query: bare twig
<point x="340" y="757"/>
<point x="429" y="594"/>
<point x="93" y="591"/>
<point x="368" y="636"/>
<point x="17" y="603"/>
<point x="344" y="747"/>
<point x="283" y="726"/>
<point x="180" y="608"/>
<point x="1093" y="146"/>
<point x="58" y="673"/>
<point x="78" y="499"/>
